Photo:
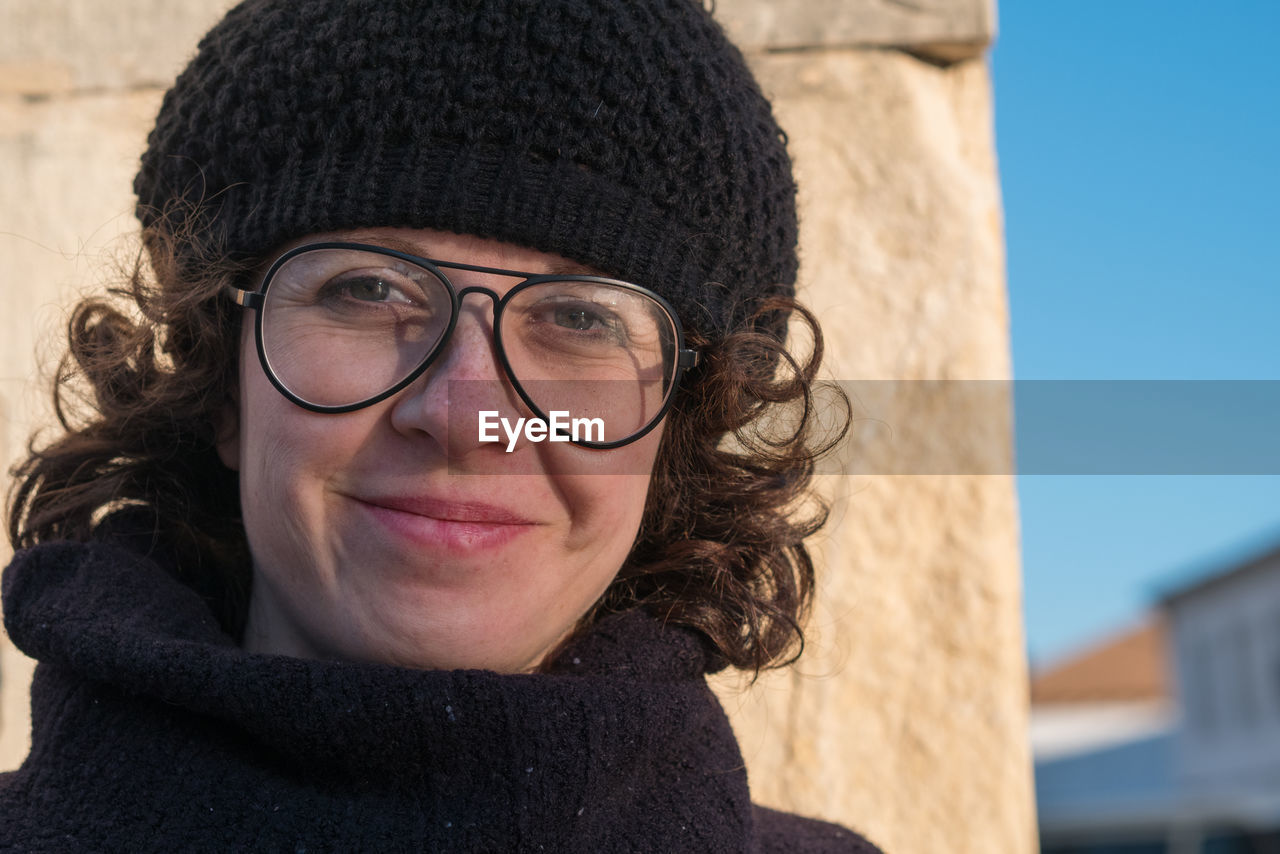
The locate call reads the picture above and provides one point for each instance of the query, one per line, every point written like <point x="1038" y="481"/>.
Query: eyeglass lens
<point x="342" y="326"/>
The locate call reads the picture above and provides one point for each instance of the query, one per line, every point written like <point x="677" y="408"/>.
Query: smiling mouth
<point x="449" y="511"/>
<point x="453" y="526"/>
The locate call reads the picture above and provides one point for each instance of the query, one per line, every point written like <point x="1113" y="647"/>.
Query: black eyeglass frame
<point x="256" y="299"/>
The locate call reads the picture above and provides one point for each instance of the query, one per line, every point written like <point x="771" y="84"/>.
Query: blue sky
<point x="1139" y="146"/>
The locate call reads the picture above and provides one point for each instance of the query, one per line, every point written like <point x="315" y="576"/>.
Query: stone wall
<point x="906" y="718"/>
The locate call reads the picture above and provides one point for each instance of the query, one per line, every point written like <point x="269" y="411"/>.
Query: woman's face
<point x="393" y="534"/>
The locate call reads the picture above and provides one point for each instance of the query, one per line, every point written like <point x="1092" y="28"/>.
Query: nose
<point x="465" y="378"/>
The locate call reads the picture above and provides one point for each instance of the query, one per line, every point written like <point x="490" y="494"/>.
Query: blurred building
<point x="1166" y="739"/>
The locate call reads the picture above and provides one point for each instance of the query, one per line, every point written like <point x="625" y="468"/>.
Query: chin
<point x="455" y="638"/>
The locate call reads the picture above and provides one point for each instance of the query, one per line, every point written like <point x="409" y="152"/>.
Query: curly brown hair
<point x="151" y="372"/>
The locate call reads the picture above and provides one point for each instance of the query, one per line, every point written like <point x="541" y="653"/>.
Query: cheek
<point x="271" y="476"/>
<point x="608" y="510"/>
<point x="270" y="445"/>
<point x="606" y="507"/>
<point x="287" y="455"/>
<point x="281" y="442"/>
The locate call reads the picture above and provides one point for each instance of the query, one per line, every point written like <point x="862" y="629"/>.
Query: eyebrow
<point x="571" y="269"/>
<point x="563" y="268"/>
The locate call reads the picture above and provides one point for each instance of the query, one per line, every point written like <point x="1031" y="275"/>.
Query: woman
<point x="286" y="590"/>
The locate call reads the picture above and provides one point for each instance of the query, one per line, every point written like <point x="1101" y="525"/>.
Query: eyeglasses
<point x="341" y="326"/>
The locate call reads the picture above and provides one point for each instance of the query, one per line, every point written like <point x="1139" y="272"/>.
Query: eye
<point x="581" y="318"/>
<point x="371" y="287"/>
<point x="368" y="289"/>
<point x="586" y="320"/>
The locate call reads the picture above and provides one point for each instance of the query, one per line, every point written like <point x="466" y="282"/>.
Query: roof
<point x="1130" y="666"/>
<point x="1265" y="561"/>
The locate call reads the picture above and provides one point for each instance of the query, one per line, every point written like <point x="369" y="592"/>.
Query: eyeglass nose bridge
<point x="498" y="303"/>
<point x="458" y="296"/>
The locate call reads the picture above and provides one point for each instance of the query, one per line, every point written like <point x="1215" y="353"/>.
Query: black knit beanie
<point x="627" y="135"/>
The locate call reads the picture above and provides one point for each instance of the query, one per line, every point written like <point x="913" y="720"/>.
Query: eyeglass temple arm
<point x="241" y="297"/>
<point x="686" y="359"/>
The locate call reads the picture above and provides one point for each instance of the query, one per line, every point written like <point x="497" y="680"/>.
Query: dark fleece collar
<point x="153" y="730"/>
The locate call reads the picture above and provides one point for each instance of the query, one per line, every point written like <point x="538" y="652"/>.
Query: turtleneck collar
<point x="622" y="741"/>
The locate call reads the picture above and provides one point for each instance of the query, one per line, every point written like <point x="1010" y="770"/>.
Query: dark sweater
<point x="154" y="731"/>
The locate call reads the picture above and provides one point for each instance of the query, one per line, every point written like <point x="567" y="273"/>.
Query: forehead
<point x="458" y="248"/>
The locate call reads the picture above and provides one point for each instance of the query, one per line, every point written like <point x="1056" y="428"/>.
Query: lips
<point x="449" y="511"/>
<point x="459" y="526"/>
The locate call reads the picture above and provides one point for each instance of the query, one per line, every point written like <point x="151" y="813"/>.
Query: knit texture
<point x="627" y="135"/>
<point x="153" y="731"/>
